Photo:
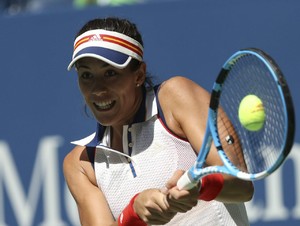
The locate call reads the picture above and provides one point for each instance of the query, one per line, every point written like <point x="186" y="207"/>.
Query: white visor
<point x="111" y="47"/>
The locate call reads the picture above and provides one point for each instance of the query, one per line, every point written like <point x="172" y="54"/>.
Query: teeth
<point x="104" y="105"/>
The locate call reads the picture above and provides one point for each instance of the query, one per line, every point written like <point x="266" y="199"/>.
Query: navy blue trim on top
<point x="98" y="137"/>
<point x="91" y="151"/>
<point x="90" y="147"/>
<point x="160" y="112"/>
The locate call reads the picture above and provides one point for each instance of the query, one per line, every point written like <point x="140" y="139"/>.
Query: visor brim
<point x="112" y="57"/>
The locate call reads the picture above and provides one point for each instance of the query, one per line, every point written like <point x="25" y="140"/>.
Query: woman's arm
<point x="79" y="175"/>
<point x="185" y="107"/>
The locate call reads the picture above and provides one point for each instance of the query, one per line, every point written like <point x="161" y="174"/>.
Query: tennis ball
<point x="252" y="113"/>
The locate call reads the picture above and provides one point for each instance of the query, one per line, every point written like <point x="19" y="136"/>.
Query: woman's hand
<point x="180" y="200"/>
<point x="153" y="208"/>
<point x="156" y="206"/>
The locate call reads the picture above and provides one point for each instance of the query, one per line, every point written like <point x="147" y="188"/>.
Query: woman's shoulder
<point x="177" y="80"/>
<point x="179" y="86"/>
<point x="77" y="161"/>
<point x="74" y="156"/>
<point x="181" y="99"/>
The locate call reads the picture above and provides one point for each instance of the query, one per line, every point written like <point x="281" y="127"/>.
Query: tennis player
<point x="146" y="137"/>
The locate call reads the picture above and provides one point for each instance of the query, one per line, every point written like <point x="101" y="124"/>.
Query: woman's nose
<point x="99" y="87"/>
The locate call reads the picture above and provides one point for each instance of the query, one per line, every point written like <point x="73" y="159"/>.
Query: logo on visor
<point x="93" y="37"/>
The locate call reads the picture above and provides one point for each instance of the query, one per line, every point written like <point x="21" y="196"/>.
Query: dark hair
<point x="122" y="26"/>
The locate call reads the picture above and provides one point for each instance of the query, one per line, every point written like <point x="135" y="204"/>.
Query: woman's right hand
<point x="152" y="207"/>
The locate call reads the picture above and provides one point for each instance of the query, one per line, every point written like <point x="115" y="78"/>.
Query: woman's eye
<point x="86" y="75"/>
<point x="110" y="73"/>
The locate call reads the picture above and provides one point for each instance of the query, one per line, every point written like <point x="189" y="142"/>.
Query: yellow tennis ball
<point x="252" y="113"/>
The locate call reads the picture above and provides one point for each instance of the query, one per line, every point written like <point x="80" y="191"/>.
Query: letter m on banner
<point x="45" y="176"/>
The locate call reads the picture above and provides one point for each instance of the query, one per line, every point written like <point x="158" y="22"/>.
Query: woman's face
<point x="111" y="94"/>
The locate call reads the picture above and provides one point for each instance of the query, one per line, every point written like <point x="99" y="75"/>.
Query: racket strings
<point x="261" y="149"/>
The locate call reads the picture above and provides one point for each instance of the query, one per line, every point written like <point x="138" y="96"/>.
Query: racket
<point x="256" y="154"/>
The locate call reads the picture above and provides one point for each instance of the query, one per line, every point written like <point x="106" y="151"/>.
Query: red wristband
<point x="211" y="186"/>
<point x="128" y="217"/>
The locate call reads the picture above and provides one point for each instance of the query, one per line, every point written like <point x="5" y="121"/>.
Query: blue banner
<point x="42" y="109"/>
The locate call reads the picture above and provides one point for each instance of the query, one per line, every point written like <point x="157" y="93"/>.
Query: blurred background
<point x="42" y="110"/>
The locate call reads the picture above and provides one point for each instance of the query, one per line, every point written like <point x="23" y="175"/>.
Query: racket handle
<point x="186" y="182"/>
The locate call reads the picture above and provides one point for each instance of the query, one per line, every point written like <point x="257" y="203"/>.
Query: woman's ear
<point x="141" y="74"/>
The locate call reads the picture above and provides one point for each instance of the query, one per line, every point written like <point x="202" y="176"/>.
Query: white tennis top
<point x="151" y="155"/>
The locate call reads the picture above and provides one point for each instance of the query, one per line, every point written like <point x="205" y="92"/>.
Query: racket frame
<point x="193" y="176"/>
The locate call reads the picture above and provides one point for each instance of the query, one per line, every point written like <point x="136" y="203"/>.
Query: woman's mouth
<point x="104" y="105"/>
